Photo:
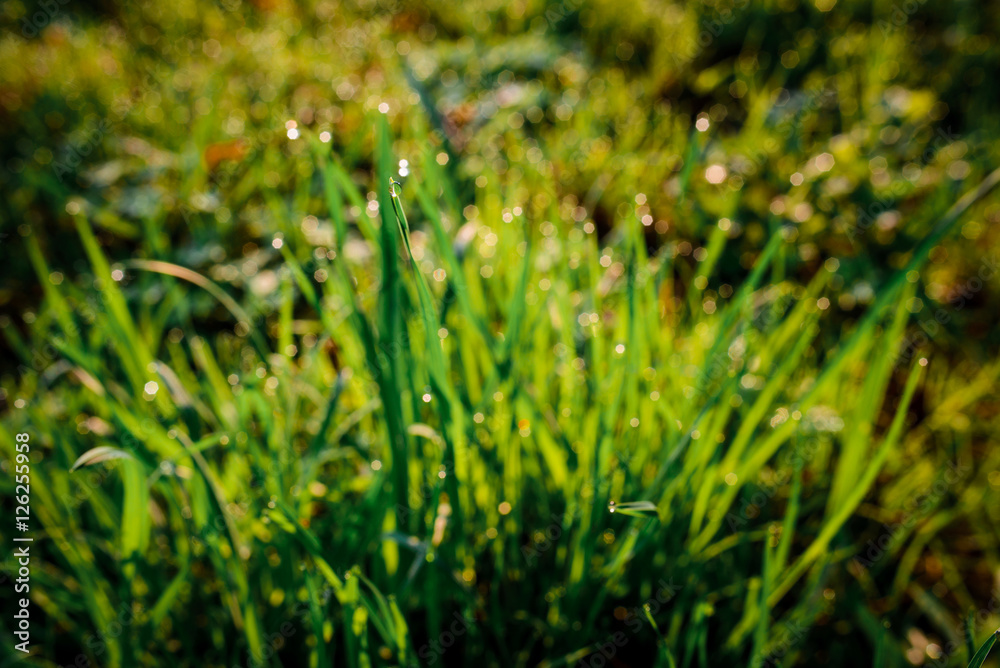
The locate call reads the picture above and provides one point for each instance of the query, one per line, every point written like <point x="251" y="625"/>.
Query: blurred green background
<point x="647" y="238"/>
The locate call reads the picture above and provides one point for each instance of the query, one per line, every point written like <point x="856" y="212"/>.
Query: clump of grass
<point x="452" y="446"/>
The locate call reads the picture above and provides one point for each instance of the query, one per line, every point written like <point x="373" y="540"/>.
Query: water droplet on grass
<point x="634" y="508"/>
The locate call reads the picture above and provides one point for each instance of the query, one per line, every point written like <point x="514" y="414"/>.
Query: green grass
<point x="236" y="507"/>
<point x="288" y="411"/>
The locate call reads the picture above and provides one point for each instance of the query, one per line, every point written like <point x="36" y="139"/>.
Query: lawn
<point x="503" y="334"/>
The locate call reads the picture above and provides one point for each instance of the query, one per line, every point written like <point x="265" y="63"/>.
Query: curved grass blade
<point x="102" y="453"/>
<point x="191" y="276"/>
<point x="634" y="508"/>
<point x="984" y="651"/>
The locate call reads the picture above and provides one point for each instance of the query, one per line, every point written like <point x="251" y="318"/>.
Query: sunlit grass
<point x="571" y="383"/>
<point x="390" y="466"/>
